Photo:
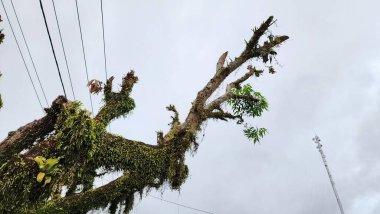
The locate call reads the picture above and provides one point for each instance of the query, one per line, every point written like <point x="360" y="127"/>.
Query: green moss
<point x="117" y="107"/>
<point x="84" y="147"/>
<point x="76" y="132"/>
<point x="76" y="140"/>
<point x="18" y="186"/>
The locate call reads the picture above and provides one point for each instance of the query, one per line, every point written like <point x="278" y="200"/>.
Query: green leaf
<point x="54" y="170"/>
<point x="255" y="134"/>
<point x="248" y="108"/>
<point x="47" y="180"/>
<point x="40" y="161"/>
<point x="40" y="177"/>
<point x="50" y="163"/>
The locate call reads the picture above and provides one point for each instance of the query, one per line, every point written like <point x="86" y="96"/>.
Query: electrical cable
<point x="171" y="202"/>
<point x="30" y="55"/>
<point x="104" y="40"/>
<point x="63" y="48"/>
<point x="22" y="56"/>
<point x="52" y="48"/>
<point x="84" y="55"/>
<point x="104" y="48"/>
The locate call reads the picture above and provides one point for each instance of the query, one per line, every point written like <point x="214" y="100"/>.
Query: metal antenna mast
<point x="319" y="147"/>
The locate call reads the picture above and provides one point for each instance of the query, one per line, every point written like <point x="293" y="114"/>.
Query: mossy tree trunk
<point x="67" y="147"/>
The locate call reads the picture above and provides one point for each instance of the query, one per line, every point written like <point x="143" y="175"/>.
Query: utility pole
<point x="319" y="147"/>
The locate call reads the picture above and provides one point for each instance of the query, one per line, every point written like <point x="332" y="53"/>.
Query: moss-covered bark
<point x="29" y="134"/>
<point x="68" y="147"/>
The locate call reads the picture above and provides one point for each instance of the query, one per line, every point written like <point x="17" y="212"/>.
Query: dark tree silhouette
<point x="69" y="148"/>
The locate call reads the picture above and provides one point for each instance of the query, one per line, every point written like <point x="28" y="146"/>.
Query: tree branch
<point x="221" y="115"/>
<point x="236" y="83"/>
<point x="121" y="188"/>
<point x="229" y="94"/>
<point x="25" y="136"/>
<point x="194" y="117"/>
<point x="222" y="73"/>
<point x="117" y="104"/>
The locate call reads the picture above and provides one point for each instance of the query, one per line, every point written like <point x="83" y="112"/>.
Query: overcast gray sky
<point x="328" y="82"/>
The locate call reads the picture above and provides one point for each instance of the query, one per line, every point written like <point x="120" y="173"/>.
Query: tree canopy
<point x="68" y="148"/>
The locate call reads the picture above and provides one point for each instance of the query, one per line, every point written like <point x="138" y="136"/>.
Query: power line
<point x="63" y="48"/>
<point x="30" y="55"/>
<point x="104" y="40"/>
<point x="22" y="56"/>
<point x="188" y="207"/>
<point x="84" y="54"/>
<point x="52" y="47"/>
<point x="104" y="48"/>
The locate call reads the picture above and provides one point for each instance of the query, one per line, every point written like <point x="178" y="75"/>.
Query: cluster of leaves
<point x="77" y="131"/>
<point x="245" y="107"/>
<point x="19" y="188"/>
<point x="249" y="108"/>
<point x="254" y="133"/>
<point x="48" y="168"/>
<point x="78" y="138"/>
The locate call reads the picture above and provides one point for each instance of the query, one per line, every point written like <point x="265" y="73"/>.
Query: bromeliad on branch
<point x="67" y="148"/>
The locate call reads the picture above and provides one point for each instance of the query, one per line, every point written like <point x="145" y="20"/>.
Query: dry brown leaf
<point x="95" y="86"/>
